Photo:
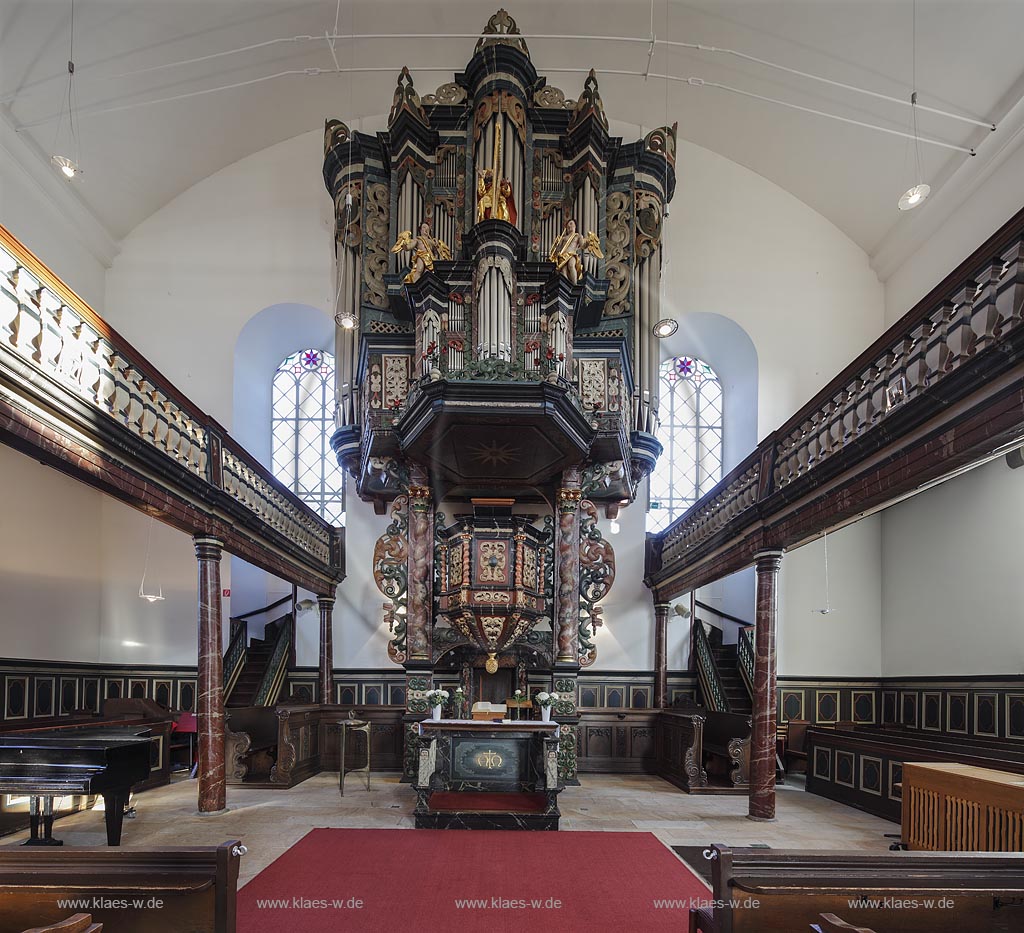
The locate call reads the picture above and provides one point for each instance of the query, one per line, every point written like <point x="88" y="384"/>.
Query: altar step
<point x="483" y="810"/>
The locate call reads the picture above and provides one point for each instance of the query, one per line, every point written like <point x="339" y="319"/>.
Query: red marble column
<point x="661" y="655"/>
<point x="210" y="699"/>
<point x="420" y="568"/>
<point x="762" y="739"/>
<point x="567" y="567"/>
<point x="326" y="604"/>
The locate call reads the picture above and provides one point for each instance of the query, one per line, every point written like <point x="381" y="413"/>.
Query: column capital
<point x="326" y="602"/>
<point x="768" y="561"/>
<point x="207" y="547"/>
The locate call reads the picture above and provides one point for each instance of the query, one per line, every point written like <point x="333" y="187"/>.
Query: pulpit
<point x="486" y="775"/>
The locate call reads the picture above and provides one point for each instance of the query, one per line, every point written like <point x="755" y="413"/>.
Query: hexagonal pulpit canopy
<point x="481" y="436"/>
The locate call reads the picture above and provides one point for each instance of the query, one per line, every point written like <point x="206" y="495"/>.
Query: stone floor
<point x="271" y="821"/>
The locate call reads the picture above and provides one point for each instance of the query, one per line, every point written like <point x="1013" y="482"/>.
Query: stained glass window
<point x="303" y="421"/>
<point x="691" y="435"/>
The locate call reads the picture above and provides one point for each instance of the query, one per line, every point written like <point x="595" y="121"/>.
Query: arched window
<point x="302" y="423"/>
<point x="691" y="435"/>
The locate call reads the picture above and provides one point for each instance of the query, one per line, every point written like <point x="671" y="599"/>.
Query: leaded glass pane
<point x="691" y="435"/>
<point x="302" y="419"/>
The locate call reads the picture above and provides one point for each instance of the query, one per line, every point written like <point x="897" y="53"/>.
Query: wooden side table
<point x="345" y="726"/>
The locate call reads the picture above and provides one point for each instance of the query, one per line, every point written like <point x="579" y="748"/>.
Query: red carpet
<point x="521" y="881"/>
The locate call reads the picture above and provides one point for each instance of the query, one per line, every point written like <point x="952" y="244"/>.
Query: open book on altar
<point x="489" y="711"/>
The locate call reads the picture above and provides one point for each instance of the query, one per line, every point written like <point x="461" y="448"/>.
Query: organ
<point x="499" y="253"/>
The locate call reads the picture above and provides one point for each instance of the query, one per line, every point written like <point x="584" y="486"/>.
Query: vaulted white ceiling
<point x="138" y="153"/>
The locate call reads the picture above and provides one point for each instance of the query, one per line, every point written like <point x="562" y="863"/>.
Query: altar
<point x="487" y="775"/>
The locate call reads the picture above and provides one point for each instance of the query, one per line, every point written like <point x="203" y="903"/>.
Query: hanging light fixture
<point x="68" y="167"/>
<point x="915" y="195"/>
<point x="666" y="327"/>
<point x="159" y="595"/>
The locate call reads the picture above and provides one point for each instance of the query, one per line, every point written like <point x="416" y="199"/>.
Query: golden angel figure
<point x="425" y="249"/>
<point x="567" y="251"/>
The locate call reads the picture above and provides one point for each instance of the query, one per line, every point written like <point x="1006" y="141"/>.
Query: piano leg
<point x="113" y="814"/>
<point x="47" y="839"/>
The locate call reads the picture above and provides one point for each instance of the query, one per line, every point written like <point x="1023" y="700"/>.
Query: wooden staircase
<point x="258" y="655"/>
<point x="732" y="681"/>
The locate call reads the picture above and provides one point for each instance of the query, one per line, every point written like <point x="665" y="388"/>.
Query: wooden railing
<point x="100" y="396"/>
<point x="234" y="657"/>
<point x="277" y="667"/>
<point x="961" y="341"/>
<point x="711" y="687"/>
<point x="745" y="657"/>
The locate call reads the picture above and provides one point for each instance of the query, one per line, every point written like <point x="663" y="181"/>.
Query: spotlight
<point x="613" y="526"/>
<point x="347" y="321"/>
<point x="666" y="327"/>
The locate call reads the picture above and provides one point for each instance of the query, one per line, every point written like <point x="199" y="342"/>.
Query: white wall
<point x="953" y="591"/>
<point x="133" y="630"/>
<point x="50" y="563"/>
<point x="847" y="642"/>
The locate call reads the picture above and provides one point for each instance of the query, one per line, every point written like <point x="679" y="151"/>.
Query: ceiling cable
<point x="651" y="41"/>
<point x="691" y="82"/>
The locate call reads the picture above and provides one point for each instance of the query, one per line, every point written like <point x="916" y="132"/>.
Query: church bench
<point x="695" y="742"/>
<point x="727" y="746"/>
<point x="129" y="890"/>
<point x="251" y="739"/>
<point x="863" y="767"/>
<point x="283" y="745"/>
<point x="781" y="891"/>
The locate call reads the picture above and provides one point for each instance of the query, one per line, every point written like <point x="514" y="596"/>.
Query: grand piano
<point x="102" y="760"/>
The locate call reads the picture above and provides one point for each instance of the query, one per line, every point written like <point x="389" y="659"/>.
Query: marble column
<point x="420" y="567"/>
<point x="762" y="740"/>
<point x="661" y="655"/>
<point x="567" y="567"/>
<point x="210" y="699"/>
<point x="326" y="604"/>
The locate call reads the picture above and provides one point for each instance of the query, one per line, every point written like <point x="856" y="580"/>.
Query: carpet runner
<point x="435" y="880"/>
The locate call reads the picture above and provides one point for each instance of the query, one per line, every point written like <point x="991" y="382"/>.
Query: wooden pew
<point x="282" y="746"/>
<point x="782" y="891"/>
<point x="696" y="743"/>
<point x="727" y="747"/>
<point x="250" y="744"/>
<point x="195" y="887"/>
<point x="863" y="767"/>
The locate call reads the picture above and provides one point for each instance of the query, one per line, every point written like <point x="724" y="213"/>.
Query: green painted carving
<point x="567" y="753"/>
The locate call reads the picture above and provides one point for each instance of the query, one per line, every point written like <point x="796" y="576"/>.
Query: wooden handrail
<point x="719" y="613"/>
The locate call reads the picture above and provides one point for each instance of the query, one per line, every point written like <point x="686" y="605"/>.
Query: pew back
<point x="129" y="890"/>
<point x="779" y="891"/>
